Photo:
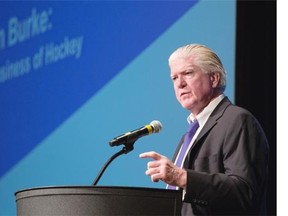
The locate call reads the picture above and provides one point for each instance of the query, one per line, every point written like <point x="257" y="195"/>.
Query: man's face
<point x="194" y="89"/>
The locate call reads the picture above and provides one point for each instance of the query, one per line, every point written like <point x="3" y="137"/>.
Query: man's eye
<point x="188" y="74"/>
<point x="173" y="78"/>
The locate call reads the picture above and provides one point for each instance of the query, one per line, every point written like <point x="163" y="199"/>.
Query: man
<point x="225" y="167"/>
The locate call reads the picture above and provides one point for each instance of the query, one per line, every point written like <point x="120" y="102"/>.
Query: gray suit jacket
<point x="227" y="165"/>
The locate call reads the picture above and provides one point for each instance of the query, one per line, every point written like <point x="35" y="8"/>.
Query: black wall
<point x="256" y="73"/>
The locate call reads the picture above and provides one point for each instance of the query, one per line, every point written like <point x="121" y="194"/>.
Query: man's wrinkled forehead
<point x="181" y="64"/>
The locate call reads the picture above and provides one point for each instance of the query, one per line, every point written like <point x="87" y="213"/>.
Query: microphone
<point x="154" y="127"/>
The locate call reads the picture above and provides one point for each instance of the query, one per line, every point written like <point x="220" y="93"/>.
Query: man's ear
<point x="215" y="79"/>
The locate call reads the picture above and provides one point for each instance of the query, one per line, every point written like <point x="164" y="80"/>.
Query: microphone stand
<point x="129" y="146"/>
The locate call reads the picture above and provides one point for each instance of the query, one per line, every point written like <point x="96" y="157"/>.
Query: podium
<point x="95" y="200"/>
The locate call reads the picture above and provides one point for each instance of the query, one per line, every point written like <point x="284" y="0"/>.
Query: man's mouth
<point x="184" y="93"/>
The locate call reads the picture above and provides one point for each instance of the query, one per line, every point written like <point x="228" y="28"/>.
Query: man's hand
<point x="163" y="169"/>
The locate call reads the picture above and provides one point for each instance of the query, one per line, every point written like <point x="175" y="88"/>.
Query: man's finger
<point x="151" y="154"/>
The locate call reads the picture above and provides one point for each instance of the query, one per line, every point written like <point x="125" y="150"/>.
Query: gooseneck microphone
<point x="130" y="137"/>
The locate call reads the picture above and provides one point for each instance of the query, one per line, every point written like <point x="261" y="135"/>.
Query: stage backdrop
<point x="73" y="75"/>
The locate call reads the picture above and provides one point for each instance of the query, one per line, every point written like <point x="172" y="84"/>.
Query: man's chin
<point x="186" y="106"/>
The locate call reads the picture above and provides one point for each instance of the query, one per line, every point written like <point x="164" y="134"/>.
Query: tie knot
<point x="193" y="126"/>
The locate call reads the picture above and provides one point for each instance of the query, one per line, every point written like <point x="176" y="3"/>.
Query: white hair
<point x="202" y="57"/>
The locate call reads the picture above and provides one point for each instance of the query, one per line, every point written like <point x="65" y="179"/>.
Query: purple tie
<point x="187" y="139"/>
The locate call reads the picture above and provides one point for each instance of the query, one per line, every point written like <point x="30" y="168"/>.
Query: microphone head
<point x="157" y="126"/>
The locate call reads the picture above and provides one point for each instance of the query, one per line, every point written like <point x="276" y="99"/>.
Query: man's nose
<point x="181" y="82"/>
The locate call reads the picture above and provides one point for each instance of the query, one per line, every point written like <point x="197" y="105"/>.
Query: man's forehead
<point x="182" y="65"/>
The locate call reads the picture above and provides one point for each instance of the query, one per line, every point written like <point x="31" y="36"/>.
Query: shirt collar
<point x="205" y="113"/>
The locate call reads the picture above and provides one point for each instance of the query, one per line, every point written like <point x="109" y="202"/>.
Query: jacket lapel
<point x="212" y="120"/>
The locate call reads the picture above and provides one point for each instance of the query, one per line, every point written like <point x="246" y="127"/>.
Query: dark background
<point x="256" y="73"/>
